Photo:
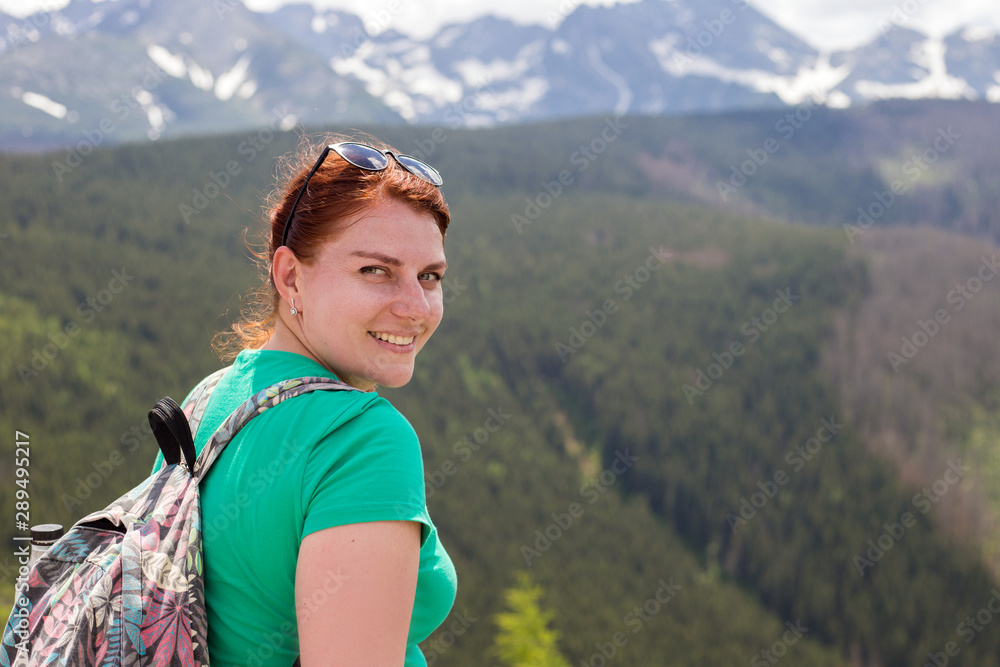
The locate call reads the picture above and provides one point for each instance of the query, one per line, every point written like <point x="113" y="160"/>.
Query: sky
<point x="826" y="24"/>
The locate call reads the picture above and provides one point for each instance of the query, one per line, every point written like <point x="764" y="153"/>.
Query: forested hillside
<point x="900" y="162"/>
<point x="676" y="464"/>
<point x="918" y="372"/>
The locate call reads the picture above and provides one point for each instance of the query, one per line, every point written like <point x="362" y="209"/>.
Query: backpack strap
<point x="197" y="401"/>
<point x="253" y="406"/>
<point x="173" y="435"/>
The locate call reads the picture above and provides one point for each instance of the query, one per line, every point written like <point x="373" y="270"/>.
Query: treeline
<point x="924" y="162"/>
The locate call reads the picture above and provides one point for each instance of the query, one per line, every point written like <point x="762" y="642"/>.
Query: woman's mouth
<point x="392" y="339"/>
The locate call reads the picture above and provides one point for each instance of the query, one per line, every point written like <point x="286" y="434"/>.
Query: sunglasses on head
<point x="368" y="158"/>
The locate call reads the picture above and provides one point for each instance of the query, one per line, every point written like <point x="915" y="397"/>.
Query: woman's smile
<point x="372" y="297"/>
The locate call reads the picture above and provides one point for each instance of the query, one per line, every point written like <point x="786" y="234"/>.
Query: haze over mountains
<point x="137" y="70"/>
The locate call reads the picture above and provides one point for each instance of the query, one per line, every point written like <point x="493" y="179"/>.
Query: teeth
<point x="395" y="340"/>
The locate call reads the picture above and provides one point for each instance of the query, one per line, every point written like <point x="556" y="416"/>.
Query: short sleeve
<point x="367" y="469"/>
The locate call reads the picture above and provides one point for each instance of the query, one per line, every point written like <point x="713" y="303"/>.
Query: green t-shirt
<point x="323" y="459"/>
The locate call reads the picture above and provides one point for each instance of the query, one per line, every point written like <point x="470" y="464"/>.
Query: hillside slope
<point x="932" y="163"/>
<point x="917" y="370"/>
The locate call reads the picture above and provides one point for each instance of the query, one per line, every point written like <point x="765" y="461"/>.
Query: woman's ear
<point x="285" y="271"/>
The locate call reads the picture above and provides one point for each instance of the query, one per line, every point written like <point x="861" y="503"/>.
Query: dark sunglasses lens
<point x="363" y="156"/>
<point x="421" y="169"/>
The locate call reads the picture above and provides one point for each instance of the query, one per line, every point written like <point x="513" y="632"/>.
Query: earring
<point x="293" y="310"/>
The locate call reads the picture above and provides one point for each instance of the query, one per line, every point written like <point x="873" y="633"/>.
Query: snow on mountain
<point x="189" y="66"/>
<point x="43" y="103"/>
<point x="974" y="56"/>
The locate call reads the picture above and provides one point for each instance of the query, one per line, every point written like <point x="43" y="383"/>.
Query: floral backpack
<point x="123" y="587"/>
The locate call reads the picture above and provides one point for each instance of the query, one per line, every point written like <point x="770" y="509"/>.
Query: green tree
<point x="525" y="638"/>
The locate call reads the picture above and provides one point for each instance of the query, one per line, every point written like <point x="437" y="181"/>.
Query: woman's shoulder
<point x="364" y="417"/>
<point x="254" y="371"/>
<point x="328" y="410"/>
<point x="344" y="420"/>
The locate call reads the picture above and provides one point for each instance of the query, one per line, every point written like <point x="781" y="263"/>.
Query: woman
<point x="316" y="533"/>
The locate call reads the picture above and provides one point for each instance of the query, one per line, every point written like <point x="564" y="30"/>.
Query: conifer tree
<point x="525" y="638"/>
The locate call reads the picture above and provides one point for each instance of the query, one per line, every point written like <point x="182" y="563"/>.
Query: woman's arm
<point x="354" y="590"/>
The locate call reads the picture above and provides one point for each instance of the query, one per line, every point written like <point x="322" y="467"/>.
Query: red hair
<point x="336" y="192"/>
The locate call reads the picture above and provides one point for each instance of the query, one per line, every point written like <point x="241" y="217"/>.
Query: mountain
<point x="136" y="70"/>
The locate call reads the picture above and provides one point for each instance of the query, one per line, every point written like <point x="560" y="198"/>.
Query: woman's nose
<point x="412" y="300"/>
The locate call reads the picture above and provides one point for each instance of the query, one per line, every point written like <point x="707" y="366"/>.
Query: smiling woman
<point x="317" y="539"/>
<point x="370" y="300"/>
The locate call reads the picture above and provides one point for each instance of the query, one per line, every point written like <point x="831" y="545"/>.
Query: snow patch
<point x="814" y="82"/>
<point x="427" y="81"/>
<point x="520" y="97"/>
<point x="415" y="74"/>
<point x="612" y="77"/>
<point x="404" y="77"/>
<point x="247" y="90"/>
<point x="672" y="60"/>
<point x="229" y="82"/>
<point x="475" y="72"/>
<point x="175" y="66"/>
<point x="318" y="24"/>
<point x="43" y="103"/>
<point x="809" y="83"/>
<point x="927" y="54"/>
<point x="157" y="115"/>
<point x="838" y="100"/>
<point x="935" y="83"/>
<point x="156" y="122"/>
<point x="168" y="62"/>
<point x="374" y="80"/>
<point x="402" y="103"/>
<point x="978" y="33"/>
<point x="201" y="78"/>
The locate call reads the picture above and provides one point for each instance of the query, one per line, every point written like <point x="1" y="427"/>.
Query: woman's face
<point x="373" y="296"/>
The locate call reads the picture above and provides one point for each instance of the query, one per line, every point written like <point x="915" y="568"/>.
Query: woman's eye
<point x="431" y="275"/>
<point x="373" y="270"/>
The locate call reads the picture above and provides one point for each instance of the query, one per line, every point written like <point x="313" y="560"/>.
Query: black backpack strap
<point x="173" y="435"/>
<point x="194" y="407"/>
<point x="253" y="406"/>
